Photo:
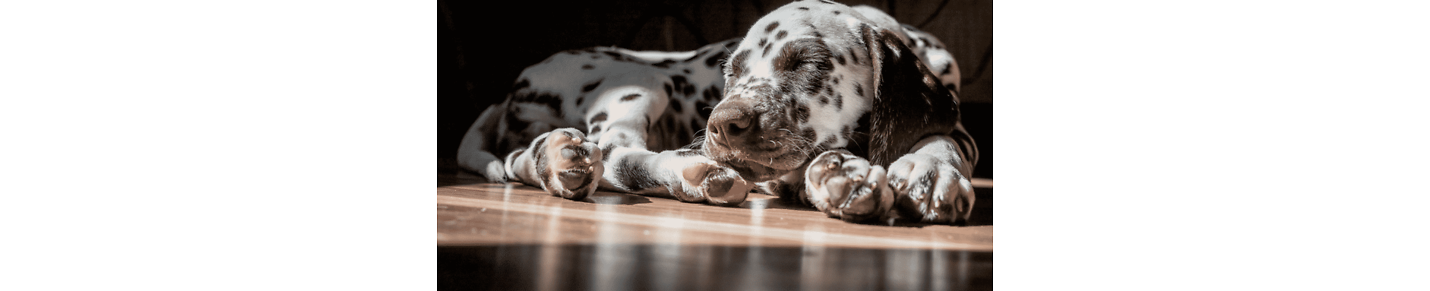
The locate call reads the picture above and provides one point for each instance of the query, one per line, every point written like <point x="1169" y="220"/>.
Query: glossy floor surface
<point x="512" y="236"/>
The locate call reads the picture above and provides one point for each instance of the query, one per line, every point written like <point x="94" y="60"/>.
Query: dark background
<point x="482" y="48"/>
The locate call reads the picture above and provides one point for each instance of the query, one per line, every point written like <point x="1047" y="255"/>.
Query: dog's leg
<point x="685" y="174"/>
<point x="932" y="182"/>
<point x="929" y="185"/>
<point x="474" y="154"/>
<point x="846" y="186"/>
<point x="559" y="160"/>
<point x="564" y="161"/>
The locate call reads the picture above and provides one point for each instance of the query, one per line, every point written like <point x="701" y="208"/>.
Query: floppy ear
<point x="910" y="102"/>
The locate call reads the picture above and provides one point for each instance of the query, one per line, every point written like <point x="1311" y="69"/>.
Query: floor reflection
<point x="708" y="267"/>
<point x="610" y="198"/>
<point x="516" y="237"/>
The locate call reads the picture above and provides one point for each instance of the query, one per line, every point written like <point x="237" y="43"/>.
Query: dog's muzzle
<point x="752" y="138"/>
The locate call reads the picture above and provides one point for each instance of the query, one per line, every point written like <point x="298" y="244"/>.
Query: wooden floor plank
<point x="492" y="213"/>
<point x="507" y="236"/>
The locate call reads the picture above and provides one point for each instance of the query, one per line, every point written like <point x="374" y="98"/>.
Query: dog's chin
<point x="755" y="170"/>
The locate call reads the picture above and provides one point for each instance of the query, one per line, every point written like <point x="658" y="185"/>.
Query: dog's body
<point x="812" y="94"/>
<point x="634" y="111"/>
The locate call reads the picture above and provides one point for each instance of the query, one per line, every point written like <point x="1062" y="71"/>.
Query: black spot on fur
<point x="686" y="153"/>
<point x="679" y="83"/>
<point x="512" y="155"/>
<point x="704" y="109"/>
<point x="766" y="52"/>
<point x="762" y="43"/>
<point x="772" y="26"/>
<point x="587" y="67"/>
<point x="711" y="93"/>
<point x="714" y="59"/>
<point x="836" y="12"/>
<point x="858" y="90"/>
<point x="809" y="134"/>
<point x="549" y="100"/>
<point x="675" y="104"/>
<point x="598" y="118"/>
<point x="853" y="58"/>
<point x="540" y="159"/>
<point x="630" y="97"/>
<point x="828" y="143"/>
<point x="737" y="65"/>
<point x="804" y="8"/>
<point x="781" y="35"/>
<point x="839" y="101"/>
<point x="801" y="112"/>
<point x="606" y="151"/>
<point x="594" y="129"/>
<point x="683" y="86"/>
<point x="839" y="58"/>
<point x="631" y="174"/>
<point x="521" y="84"/>
<point x="591" y="86"/>
<point x="580" y="99"/>
<point x="826" y="2"/>
<point x="816" y="34"/>
<point x="664" y="64"/>
<point x="834" y="80"/>
<point x="667" y="90"/>
<point x="687" y="71"/>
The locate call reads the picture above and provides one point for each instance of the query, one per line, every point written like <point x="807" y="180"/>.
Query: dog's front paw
<point x="569" y="165"/>
<point x="715" y="184"/>
<point x="931" y="189"/>
<point x="847" y="187"/>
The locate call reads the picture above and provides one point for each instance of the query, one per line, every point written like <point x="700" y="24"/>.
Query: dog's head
<point x="816" y="75"/>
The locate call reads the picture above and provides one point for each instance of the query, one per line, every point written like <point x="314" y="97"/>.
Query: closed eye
<point x="805" y="55"/>
<point x="816" y="64"/>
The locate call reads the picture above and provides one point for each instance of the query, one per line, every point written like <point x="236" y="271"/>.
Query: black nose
<point x="734" y="122"/>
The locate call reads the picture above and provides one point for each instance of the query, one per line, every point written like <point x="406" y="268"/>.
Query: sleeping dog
<point x="836" y="107"/>
<point x="831" y="106"/>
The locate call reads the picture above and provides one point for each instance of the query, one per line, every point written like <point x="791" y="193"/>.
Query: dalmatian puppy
<point x="844" y="109"/>
<point x="608" y="118"/>
<point x="628" y="121"/>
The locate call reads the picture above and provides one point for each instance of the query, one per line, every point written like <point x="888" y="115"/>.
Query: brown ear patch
<point x="907" y="107"/>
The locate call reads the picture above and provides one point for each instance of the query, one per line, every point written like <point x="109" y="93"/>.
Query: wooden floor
<point x="512" y="236"/>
